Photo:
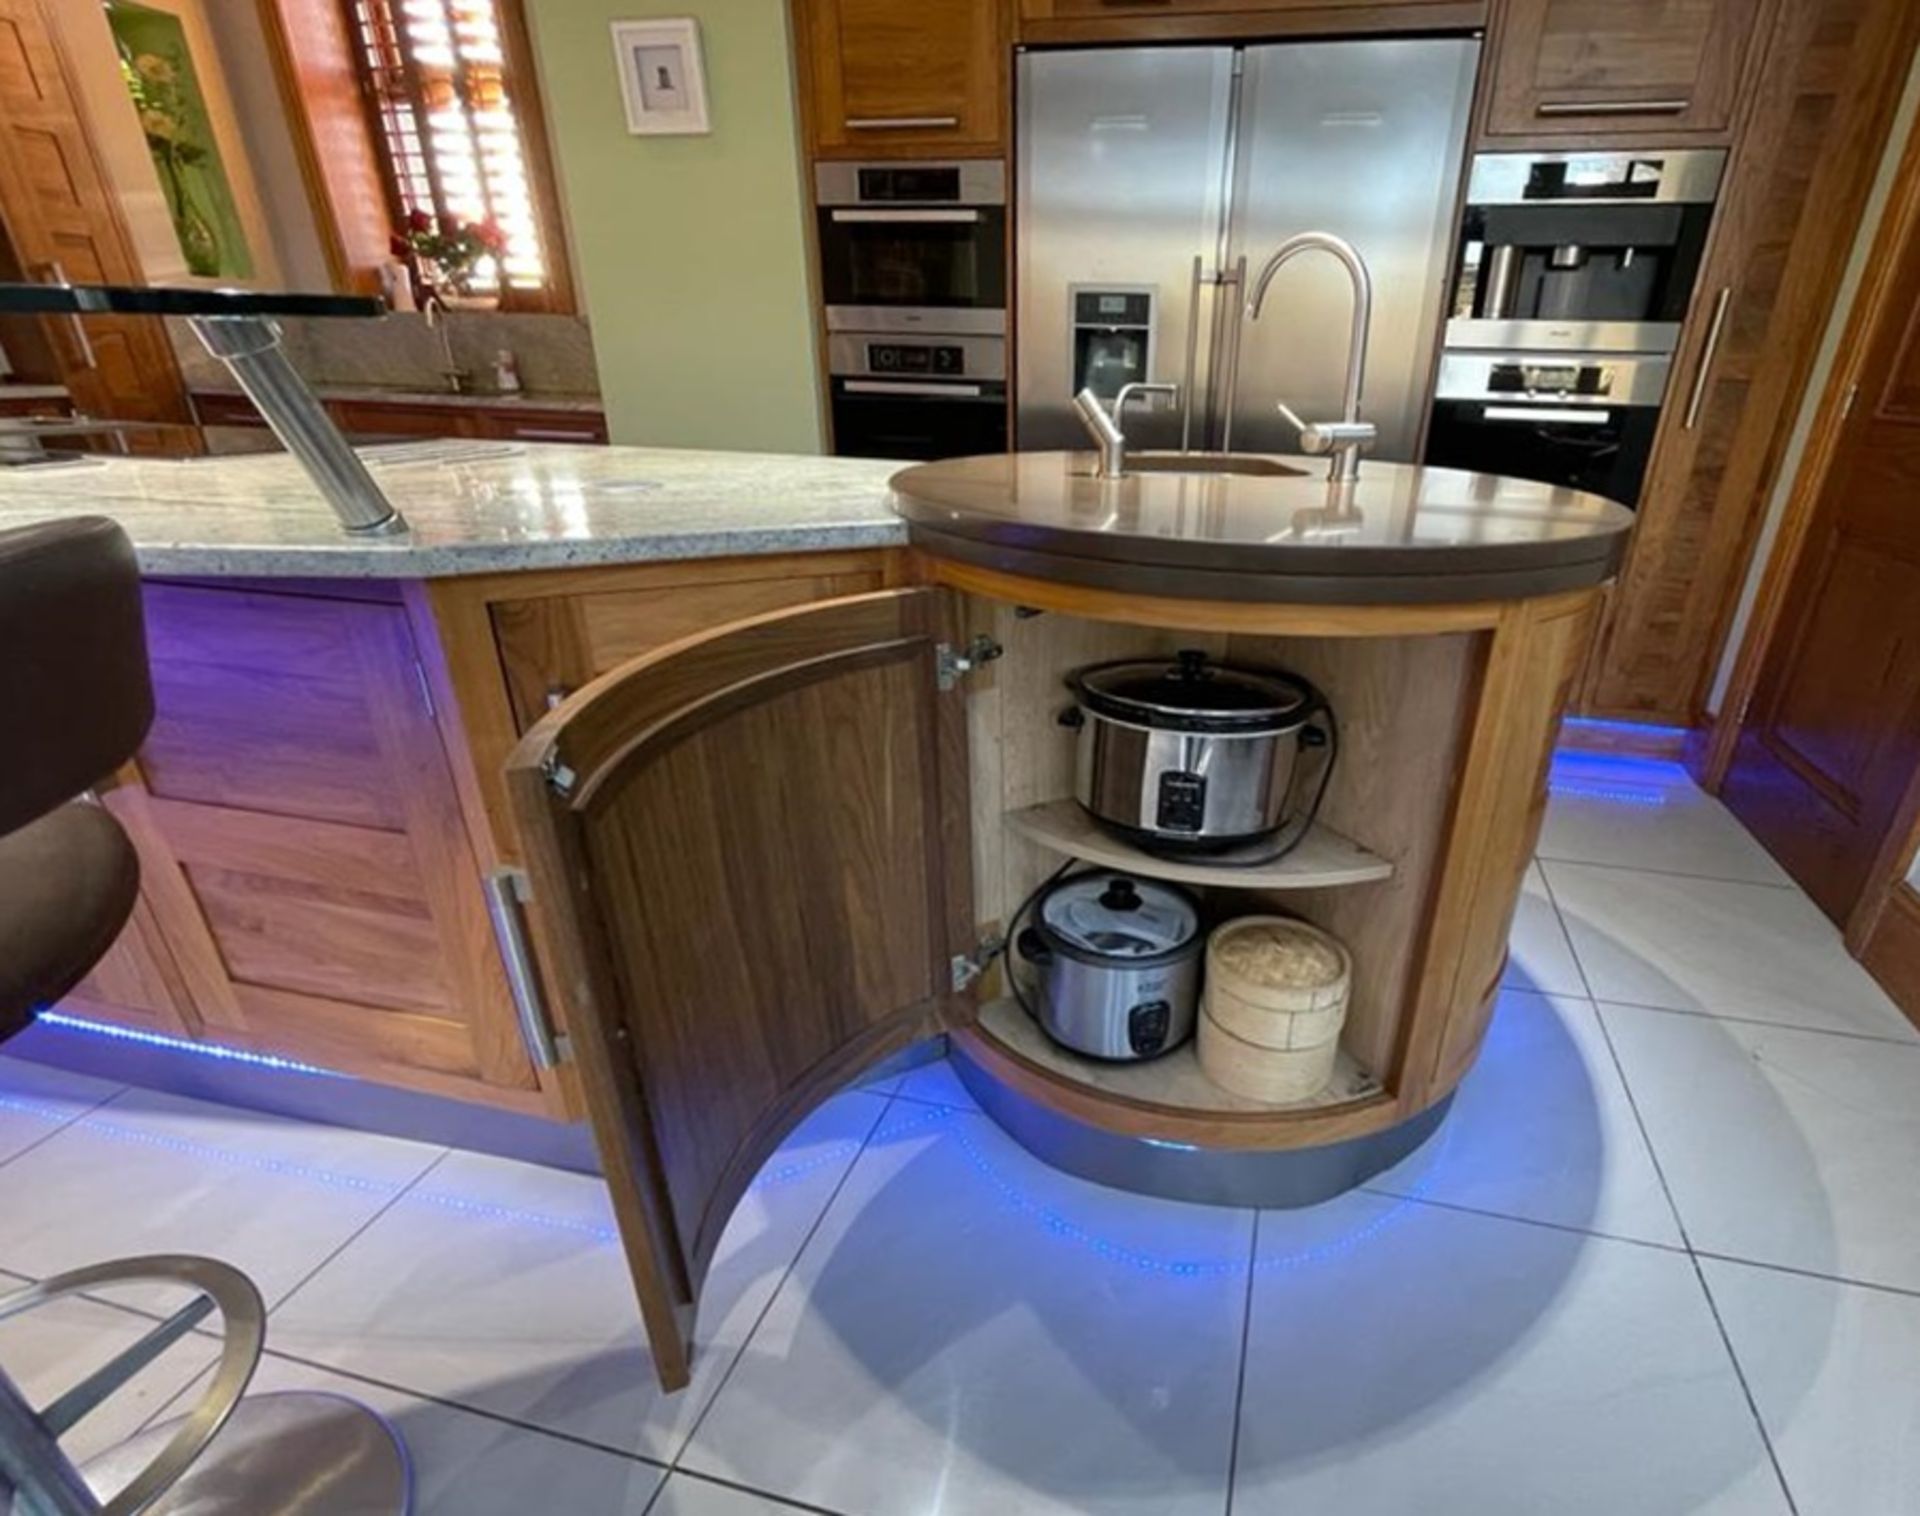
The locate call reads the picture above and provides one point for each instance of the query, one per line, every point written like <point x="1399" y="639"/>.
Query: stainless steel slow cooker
<point x="1189" y="755"/>
<point x="1119" y="964"/>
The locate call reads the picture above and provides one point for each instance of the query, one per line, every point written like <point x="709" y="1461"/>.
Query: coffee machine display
<point x="1590" y="251"/>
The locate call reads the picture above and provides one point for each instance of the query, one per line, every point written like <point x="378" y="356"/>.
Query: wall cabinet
<point x="1590" y="67"/>
<point x="911" y="78"/>
<point x="309" y="887"/>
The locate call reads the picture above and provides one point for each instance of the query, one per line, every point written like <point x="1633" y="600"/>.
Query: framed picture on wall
<point x="662" y="76"/>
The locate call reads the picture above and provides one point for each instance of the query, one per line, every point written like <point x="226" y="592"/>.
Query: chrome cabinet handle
<point x="953" y="217"/>
<point x="897" y="123"/>
<point x="1556" y="415"/>
<point x="1707" y="356"/>
<point x="554" y="434"/>
<point x="508" y="891"/>
<point x="1612" y="107"/>
<point x="58" y="275"/>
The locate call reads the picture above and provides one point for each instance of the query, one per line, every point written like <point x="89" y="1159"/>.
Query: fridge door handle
<point x="1193" y="355"/>
<point x="1234" y="316"/>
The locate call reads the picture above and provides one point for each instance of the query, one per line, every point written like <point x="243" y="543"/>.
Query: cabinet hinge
<point x="951" y="666"/>
<point x="964" y="968"/>
<point x="560" y="779"/>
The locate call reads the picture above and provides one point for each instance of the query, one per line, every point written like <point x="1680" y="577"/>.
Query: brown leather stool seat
<point x="67" y="885"/>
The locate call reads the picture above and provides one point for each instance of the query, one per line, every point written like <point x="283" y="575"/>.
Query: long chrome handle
<point x="58" y="275"/>
<point x="1559" y="415"/>
<point x="1707" y="355"/>
<point x="897" y="123"/>
<point x="953" y="217"/>
<point x="910" y="387"/>
<point x="507" y="894"/>
<point x="1233" y="313"/>
<point x="1193" y="356"/>
<point x="1612" y="107"/>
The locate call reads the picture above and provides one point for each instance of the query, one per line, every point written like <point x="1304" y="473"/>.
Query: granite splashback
<point x="403" y="353"/>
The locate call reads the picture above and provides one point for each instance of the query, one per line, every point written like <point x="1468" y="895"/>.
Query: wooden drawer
<point x="1586" y="67"/>
<point x="364" y="419"/>
<point x="542" y="426"/>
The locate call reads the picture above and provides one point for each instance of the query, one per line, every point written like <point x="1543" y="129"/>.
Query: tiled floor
<point x="1662" y="1260"/>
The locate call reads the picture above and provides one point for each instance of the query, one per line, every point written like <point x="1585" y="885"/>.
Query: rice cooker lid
<point x="1116" y="918"/>
<point x="1192" y="693"/>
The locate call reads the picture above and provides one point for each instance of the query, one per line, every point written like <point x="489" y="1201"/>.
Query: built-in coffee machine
<point x="1574" y="274"/>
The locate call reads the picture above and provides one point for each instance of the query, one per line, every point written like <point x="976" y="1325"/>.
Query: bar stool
<point x="76" y="699"/>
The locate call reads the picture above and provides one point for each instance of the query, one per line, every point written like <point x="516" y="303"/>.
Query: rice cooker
<point x="1118" y="960"/>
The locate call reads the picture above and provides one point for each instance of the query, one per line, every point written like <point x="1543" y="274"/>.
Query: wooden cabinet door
<point x="749" y="853"/>
<point x="1601" y="66"/>
<point x="303" y="850"/>
<point x="1830" y="746"/>
<point x="918" y="77"/>
<point x="59" y="215"/>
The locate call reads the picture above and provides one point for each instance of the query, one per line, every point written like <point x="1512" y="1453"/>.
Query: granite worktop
<point x="472" y="507"/>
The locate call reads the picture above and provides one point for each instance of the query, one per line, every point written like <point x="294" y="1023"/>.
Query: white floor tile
<point x="1405" y="1358"/>
<point x="1647" y="814"/>
<point x="36" y="1101"/>
<point x="49" y="1350"/>
<point x="1727" y="949"/>
<point x="1539" y="957"/>
<point x="152" y="1173"/>
<point x="686" y="1495"/>
<point x="469" y="1465"/>
<point x="1542" y="1129"/>
<point x="972" y="1332"/>
<point x="1831" y="1367"/>
<point x="502" y="1286"/>
<point x="937" y="1084"/>
<point x="1782" y="1146"/>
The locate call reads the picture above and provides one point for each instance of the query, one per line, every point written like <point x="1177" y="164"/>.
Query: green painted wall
<point x="691" y="250"/>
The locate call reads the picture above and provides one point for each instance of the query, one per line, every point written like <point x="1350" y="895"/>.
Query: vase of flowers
<point x="445" y="256"/>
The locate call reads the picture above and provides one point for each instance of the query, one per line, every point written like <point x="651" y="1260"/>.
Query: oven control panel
<point x="946" y="360"/>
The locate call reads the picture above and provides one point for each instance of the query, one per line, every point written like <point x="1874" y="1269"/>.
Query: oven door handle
<point x="910" y="387"/>
<point x="919" y="218"/>
<point x="1558" y="415"/>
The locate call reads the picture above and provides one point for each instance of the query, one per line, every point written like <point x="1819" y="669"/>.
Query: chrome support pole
<point x="250" y="348"/>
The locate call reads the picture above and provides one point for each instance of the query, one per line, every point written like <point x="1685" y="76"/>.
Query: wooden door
<point x="61" y="221"/>
<point x="303" y="850"/>
<point x="1831" y="741"/>
<point x="1582" y="67"/>
<point x="749" y="855"/>
<point x="920" y="77"/>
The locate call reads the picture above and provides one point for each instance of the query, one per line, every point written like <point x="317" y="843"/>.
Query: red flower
<point x="419" y="221"/>
<point x="490" y="236"/>
<point x="398" y="245"/>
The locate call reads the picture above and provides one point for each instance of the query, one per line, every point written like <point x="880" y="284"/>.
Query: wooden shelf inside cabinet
<point x="1323" y="860"/>
<point x="1173" y="1082"/>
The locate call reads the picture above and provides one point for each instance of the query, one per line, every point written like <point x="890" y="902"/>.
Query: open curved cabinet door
<point x="748" y="852"/>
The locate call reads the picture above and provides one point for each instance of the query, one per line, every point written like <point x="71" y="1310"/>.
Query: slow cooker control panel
<point x="1148" y="1024"/>
<point x="1183" y="802"/>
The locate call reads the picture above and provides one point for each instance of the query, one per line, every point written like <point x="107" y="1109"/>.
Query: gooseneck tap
<point x="1109" y="441"/>
<point x="1344" y="438"/>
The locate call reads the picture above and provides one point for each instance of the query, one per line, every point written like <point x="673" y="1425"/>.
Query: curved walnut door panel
<point x="748" y="852"/>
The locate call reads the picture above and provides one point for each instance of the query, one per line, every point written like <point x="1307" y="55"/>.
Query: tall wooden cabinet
<point x="882" y="78"/>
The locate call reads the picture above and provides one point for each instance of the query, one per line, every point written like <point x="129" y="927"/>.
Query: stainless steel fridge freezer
<point x="1153" y="182"/>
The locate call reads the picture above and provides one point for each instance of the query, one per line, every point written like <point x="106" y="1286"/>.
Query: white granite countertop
<point x="472" y="507"/>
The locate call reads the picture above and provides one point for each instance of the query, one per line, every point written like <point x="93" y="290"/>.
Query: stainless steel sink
<point x="1253" y="464"/>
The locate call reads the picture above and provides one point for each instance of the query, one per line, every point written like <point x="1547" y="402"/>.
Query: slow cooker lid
<point x="1192" y="692"/>
<point x="1117" y="916"/>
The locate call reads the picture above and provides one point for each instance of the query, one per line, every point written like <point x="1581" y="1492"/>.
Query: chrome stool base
<point x="291" y="1454"/>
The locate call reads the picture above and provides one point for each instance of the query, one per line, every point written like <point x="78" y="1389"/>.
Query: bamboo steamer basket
<point x="1275" y="1001"/>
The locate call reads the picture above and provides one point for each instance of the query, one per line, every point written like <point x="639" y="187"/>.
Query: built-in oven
<point x="1583" y="420"/>
<point x="1583" y="251"/>
<point x="913" y="247"/>
<point x="898" y="396"/>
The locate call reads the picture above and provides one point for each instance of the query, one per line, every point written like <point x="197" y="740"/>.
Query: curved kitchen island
<point x="773" y="854"/>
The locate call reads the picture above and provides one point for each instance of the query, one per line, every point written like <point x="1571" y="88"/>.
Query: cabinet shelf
<point x="1324" y="858"/>
<point x="1173" y="1082"/>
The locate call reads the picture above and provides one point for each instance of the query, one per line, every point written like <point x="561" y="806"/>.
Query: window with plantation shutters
<point x="446" y="100"/>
